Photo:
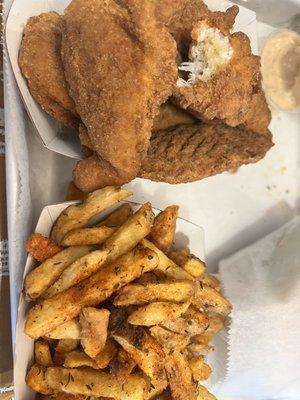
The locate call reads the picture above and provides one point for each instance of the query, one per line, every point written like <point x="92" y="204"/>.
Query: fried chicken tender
<point x="40" y="63"/>
<point x="223" y="78"/>
<point x="193" y="152"/>
<point x="170" y="116"/>
<point x="121" y="66"/>
<point x="179" y="16"/>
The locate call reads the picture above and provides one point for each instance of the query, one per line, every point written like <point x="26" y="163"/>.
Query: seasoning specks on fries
<point x="120" y="312"/>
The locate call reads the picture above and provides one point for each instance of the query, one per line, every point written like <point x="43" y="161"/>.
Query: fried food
<point x="42" y="353"/>
<point x="77" y="359"/>
<point x="221" y="79"/>
<point x="120" y="65"/>
<point x="77" y="216"/>
<point x="194" y="152"/>
<point x="87" y="236"/>
<point x="42" y="277"/>
<point x="170" y="116"/>
<point x="40" y="247"/>
<point x="36" y="380"/>
<point x="122" y="366"/>
<point x="94" y="323"/>
<point x="40" y="63"/>
<point x="163" y="230"/>
<point x="69" y="330"/>
<point x="50" y="313"/>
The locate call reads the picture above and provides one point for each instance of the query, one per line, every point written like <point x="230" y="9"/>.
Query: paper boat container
<point x="53" y="136"/>
<point x="188" y="233"/>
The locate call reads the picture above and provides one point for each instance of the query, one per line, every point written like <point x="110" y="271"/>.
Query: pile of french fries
<point x="119" y="313"/>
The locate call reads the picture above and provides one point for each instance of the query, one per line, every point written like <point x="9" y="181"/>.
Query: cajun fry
<point x="211" y="281"/>
<point x="107" y="354"/>
<point x="122" y="366"/>
<point x="94" y="323"/>
<point x="157" y="312"/>
<point x="91" y="382"/>
<point x="122" y="241"/>
<point x="36" y="380"/>
<point x="179" y="291"/>
<point x="167" y="266"/>
<point x="50" y="313"/>
<point x="169" y="340"/>
<point x="63" y="347"/>
<point x="42" y="353"/>
<point x="200" y="370"/>
<point x="210" y="299"/>
<point x="118" y="217"/>
<point x="42" y="277"/>
<point x="144" y="350"/>
<point x="69" y="330"/>
<point x="76" y="216"/>
<point x="87" y="236"/>
<point x="180" y="256"/>
<point x="78" y="358"/>
<point x="194" y="266"/>
<point x="164" y="227"/>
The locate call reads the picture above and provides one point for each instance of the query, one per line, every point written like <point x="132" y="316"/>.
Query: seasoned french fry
<point x="199" y="345"/>
<point x="216" y="324"/>
<point x="169" y="340"/>
<point x="42" y="353"/>
<point x="180" y="377"/>
<point x="87" y="236"/>
<point x="211" y="281"/>
<point x="200" y="318"/>
<point x="118" y="217"/>
<point x="50" y="313"/>
<point x="157" y="312"/>
<point x="194" y="266"/>
<point x="42" y="277"/>
<point x="78" y="358"/>
<point x="69" y="330"/>
<point x="122" y="366"/>
<point x="179" y="256"/>
<point x="36" y="380"/>
<point x="204" y="394"/>
<point x="107" y="354"/>
<point x="210" y="299"/>
<point x="180" y="291"/>
<point x="122" y="241"/>
<point x="164" y="227"/>
<point x="40" y="247"/>
<point x="190" y="326"/>
<point x="63" y="347"/>
<point x="200" y="370"/>
<point x="90" y="382"/>
<point x="167" y="266"/>
<point x="144" y="350"/>
<point x="94" y="323"/>
<point x="148" y="277"/>
<point x="76" y="216"/>
<point x="63" y="396"/>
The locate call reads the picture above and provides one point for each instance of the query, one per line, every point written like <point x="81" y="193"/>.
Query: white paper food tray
<point x="51" y="133"/>
<point x="187" y="233"/>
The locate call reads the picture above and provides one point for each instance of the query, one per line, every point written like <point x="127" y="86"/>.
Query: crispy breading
<point x="40" y="63"/>
<point x="232" y="92"/>
<point x="170" y="116"/>
<point x="194" y="152"/>
<point x="41" y="247"/>
<point x="121" y="66"/>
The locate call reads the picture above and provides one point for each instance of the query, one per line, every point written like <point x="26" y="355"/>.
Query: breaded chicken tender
<point x="40" y="63"/>
<point x="222" y="78"/>
<point x="193" y="152"/>
<point x="120" y="64"/>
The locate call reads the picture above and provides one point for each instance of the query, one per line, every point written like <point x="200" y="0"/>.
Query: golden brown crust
<point x="234" y="94"/>
<point x="194" y="152"/>
<point x="41" y="248"/>
<point x="120" y="65"/>
<point x="40" y="63"/>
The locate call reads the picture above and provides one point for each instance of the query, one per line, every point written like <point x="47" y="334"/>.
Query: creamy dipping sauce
<point x="281" y="70"/>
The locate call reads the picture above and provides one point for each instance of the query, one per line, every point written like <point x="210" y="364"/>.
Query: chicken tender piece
<point x="120" y="64"/>
<point x="194" y="152"/>
<point x="40" y="63"/>
<point x="171" y="116"/>
<point x="179" y="16"/>
<point x="222" y="78"/>
<point x="41" y="248"/>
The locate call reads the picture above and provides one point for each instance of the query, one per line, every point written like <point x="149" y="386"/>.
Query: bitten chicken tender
<point x="120" y="64"/>
<point x="221" y="79"/>
<point x="40" y="63"/>
<point x="194" y="152"/>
